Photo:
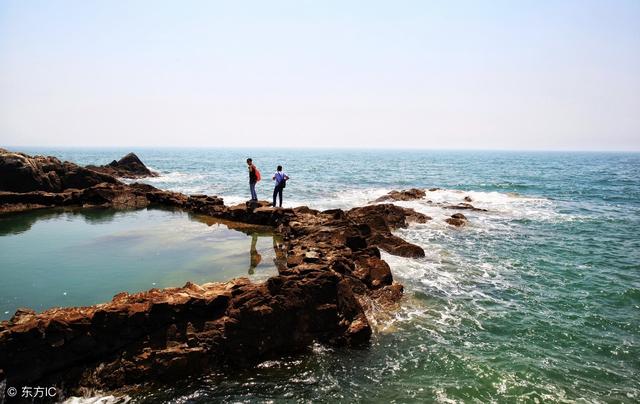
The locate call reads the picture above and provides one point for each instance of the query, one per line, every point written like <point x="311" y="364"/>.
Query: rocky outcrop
<point x="332" y="269"/>
<point x="406" y="195"/>
<point x="22" y="173"/>
<point x="167" y="334"/>
<point x="457" y="219"/>
<point x="377" y="221"/>
<point x="130" y="166"/>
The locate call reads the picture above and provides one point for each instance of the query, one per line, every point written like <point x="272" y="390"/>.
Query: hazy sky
<point x="403" y="74"/>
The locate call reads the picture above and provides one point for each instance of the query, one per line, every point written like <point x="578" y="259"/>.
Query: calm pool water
<point x="78" y="257"/>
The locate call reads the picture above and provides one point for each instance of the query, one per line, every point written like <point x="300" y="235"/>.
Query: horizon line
<point x="376" y="148"/>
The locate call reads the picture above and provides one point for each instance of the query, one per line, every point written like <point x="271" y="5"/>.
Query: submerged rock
<point x="129" y="166"/>
<point x="330" y="264"/>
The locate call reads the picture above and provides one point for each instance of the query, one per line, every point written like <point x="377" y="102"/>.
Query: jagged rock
<point x="405" y="195"/>
<point x="457" y="219"/>
<point x="374" y="272"/>
<point x="22" y="173"/>
<point x="331" y="260"/>
<point x="379" y="220"/>
<point x="129" y="166"/>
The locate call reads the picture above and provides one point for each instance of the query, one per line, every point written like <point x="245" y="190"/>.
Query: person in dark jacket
<point x="281" y="180"/>
<point x="253" y="179"/>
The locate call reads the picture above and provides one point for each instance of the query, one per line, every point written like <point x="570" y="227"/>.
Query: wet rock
<point x="405" y="195"/>
<point x="383" y="218"/>
<point x="129" y="166"/>
<point x="374" y="272"/>
<point x="457" y="219"/>
<point x="468" y="199"/>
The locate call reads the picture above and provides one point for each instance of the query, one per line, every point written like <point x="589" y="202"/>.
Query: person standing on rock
<point x="281" y="181"/>
<point x="254" y="177"/>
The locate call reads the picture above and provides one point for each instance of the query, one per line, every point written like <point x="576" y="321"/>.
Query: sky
<point x="524" y="75"/>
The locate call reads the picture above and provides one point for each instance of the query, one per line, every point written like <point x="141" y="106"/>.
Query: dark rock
<point x="457" y="219"/>
<point x="468" y="199"/>
<point x="22" y="173"/>
<point x="129" y="166"/>
<point x="381" y="219"/>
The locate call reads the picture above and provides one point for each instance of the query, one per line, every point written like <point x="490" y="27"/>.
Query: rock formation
<point x="457" y="219"/>
<point x="130" y="166"/>
<point x="22" y="173"/>
<point x="406" y="195"/>
<point x="333" y="268"/>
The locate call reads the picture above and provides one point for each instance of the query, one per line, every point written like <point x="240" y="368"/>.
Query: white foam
<point x="98" y="400"/>
<point x="347" y="199"/>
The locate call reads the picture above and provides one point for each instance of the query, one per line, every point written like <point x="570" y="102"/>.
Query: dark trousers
<point x="277" y="191"/>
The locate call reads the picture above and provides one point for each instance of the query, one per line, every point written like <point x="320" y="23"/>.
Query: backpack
<point x="258" y="176"/>
<point x="283" y="181"/>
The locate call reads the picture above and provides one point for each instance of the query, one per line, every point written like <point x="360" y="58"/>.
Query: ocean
<point x="535" y="300"/>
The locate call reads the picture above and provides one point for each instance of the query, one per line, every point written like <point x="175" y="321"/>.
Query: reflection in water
<point x="255" y="256"/>
<point x="280" y="256"/>
<point x="17" y="223"/>
<point x="280" y="260"/>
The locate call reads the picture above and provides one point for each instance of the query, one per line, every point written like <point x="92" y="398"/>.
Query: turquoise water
<point x="538" y="299"/>
<point x="55" y="257"/>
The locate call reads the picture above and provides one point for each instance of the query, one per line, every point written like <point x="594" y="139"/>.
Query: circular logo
<point x="12" y="391"/>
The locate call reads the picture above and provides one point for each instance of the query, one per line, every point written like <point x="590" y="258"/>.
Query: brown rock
<point x="381" y="219"/>
<point x="374" y="272"/>
<point x="457" y="219"/>
<point x="406" y="195"/>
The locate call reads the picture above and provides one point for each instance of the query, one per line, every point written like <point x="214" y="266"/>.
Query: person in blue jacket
<point x="281" y="181"/>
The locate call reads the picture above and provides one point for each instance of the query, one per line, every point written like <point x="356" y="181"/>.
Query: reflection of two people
<point x="255" y="258"/>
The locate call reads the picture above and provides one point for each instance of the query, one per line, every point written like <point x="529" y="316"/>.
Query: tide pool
<point x="81" y="257"/>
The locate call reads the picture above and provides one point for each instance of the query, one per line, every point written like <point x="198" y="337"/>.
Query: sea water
<point x="535" y="300"/>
